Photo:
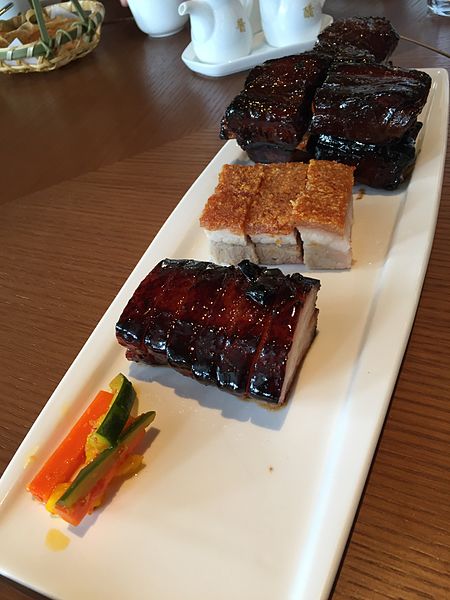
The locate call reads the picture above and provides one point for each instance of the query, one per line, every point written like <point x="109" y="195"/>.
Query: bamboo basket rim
<point x="84" y="32"/>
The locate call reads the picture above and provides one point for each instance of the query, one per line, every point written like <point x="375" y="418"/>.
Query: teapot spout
<point x="202" y="18"/>
<point x="187" y="8"/>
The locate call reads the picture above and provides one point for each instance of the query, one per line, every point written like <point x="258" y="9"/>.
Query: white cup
<point x="157" y="18"/>
<point x="288" y="22"/>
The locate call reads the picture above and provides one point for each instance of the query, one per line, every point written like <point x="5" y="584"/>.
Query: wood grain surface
<point x="94" y="158"/>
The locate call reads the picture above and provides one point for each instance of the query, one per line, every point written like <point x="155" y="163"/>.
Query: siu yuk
<point x="225" y="214"/>
<point x="243" y="328"/>
<point x="323" y="214"/>
<point x="299" y="214"/>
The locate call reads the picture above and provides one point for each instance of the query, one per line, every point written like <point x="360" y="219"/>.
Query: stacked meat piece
<point x="270" y="117"/>
<point x="372" y="35"/>
<point x="245" y="329"/>
<point x="366" y="115"/>
<point x="337" y="102"/>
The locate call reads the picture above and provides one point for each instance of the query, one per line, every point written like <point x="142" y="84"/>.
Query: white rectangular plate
<point x="237" y="501"/>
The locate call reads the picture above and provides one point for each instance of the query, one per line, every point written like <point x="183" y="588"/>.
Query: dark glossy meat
<point x="247" y="323"/>
<point x="163" y="317"/>
<point x="275" y="106"/>
<point x="272" y="370"/>
<point x="147" y="299"/>
<point x="276" y="153"/>
<point x="275" y="118"/>
<point x="378" y="166"/>
<point x="284" y="76"/>
<point x="374" y="34"/>
<point x="278" y="120"/>
<point x="213" y="328"/>
<point x="199" y="304"/>
<point x="147" y="318"/>
<point x="369" y="103"/>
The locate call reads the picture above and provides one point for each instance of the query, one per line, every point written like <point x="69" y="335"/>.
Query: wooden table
<point x="83" y="151"/>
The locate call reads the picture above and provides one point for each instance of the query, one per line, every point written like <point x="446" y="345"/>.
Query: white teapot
<point x="220" y="29"/>
<point x="287" y="22"/>
<point x="157" y="18"/>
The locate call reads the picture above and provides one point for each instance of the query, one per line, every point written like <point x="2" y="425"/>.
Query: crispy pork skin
<point x="244" y="329"/>
<point x="298" y="213"/>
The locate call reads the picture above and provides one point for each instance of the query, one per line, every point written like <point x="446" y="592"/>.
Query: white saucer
<point x="261" y="51"/>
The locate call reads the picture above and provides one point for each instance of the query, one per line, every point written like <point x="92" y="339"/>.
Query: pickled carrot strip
<point x="70" y="454"/>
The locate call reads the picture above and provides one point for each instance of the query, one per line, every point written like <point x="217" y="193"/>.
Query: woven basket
<point x="55" y="46"/>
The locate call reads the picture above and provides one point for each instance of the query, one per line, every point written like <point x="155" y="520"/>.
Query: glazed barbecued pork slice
<point x="215" y="329"/>
<point x="219" y="329"/>
<point x="146" y="320"/>
<point x="369" y="103"/>
<point x="373" y="34"/>
<point x="198" y="304"/>
<point x="383" y="167"/>
<point x="286" y="339"/>
<point x="162" y="319"/>
<point x="246" y="323"/>
<point x="270" y="117"/>
<point x="146" y="302"/>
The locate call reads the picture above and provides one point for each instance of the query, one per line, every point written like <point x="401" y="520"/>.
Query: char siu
<point x="244" y="329"/>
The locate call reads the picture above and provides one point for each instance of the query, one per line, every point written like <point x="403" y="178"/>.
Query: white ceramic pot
<point x="287" y="22"/>
<point x="157" y="18"/>
<point x="221" y="30"/>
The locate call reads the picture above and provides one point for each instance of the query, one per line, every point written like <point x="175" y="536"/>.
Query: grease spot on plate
<point x="56" y="540"/>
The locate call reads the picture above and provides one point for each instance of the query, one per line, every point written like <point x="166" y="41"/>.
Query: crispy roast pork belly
<point x="225" y="215"/>
<point x="384" y="166"/>
<point x="323" y="215"/>
<point x="373" y="34"/>
<point x="369" y="103"/>
<point x="269" y="223"/>
<point x="297" y="213"/>
<point x="245" y="329"/>
<point x="271" y="115"/>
